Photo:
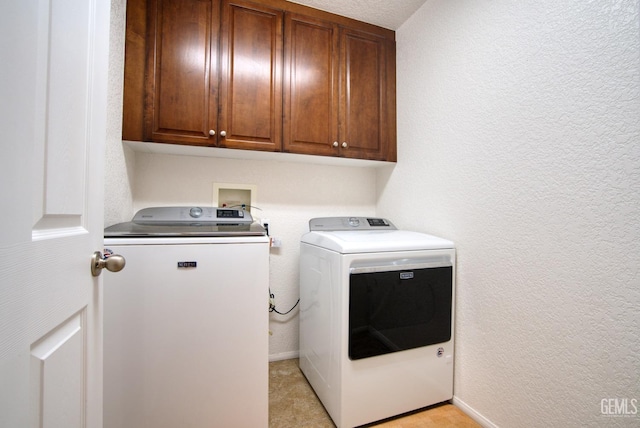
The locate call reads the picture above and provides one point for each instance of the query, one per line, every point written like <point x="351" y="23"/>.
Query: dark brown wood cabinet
<point x="182" y="71"/>
<point x="339" y="90"/>
<point x="311" y="82"/>
<point x="250" y="87"/>
<point x="212" y="75"/>
<point x="367" y="96"/>
<point x="264" y="75"/>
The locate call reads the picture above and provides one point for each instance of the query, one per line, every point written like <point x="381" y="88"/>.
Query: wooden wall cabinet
<point x="264" y="75"/>
<point x="212" y="74"/>
<point x="339" y="90"/>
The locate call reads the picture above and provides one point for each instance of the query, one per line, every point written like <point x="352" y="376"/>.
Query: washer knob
<point x="195" y="212"/>
<point x="354" y="222"/>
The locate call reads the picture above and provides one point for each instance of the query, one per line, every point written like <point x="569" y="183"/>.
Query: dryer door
<point x="395" y="308"/>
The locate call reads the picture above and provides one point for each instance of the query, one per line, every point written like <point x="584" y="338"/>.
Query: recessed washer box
<point x="234" y="195"/>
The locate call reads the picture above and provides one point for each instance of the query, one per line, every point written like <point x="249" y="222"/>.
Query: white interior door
<point x="53" y="84"/>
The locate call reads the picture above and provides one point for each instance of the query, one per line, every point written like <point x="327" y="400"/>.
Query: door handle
<point x="113" y="263"/>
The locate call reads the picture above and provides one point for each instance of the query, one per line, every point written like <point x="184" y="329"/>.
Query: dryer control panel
<point x="329" y="224"/>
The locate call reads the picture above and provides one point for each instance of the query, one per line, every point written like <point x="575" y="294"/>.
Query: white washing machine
<point x="376" y="318"/>
<point x="186" y="321"/>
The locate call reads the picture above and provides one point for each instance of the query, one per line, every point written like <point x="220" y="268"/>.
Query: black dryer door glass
<point x="398" y="310"/>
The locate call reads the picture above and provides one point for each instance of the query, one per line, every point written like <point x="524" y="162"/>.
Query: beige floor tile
<point x="293" y="404"/>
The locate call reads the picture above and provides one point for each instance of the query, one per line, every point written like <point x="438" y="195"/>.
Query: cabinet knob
<point x="223" y="133"/>
<point x="345" y="145"/>
<point x="212" y="132"/>
<point x="335" y="144"/>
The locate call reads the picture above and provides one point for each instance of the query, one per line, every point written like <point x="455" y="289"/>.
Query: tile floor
<point x="293" y="404"/>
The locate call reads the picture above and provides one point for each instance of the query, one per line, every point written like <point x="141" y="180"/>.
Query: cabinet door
<point x="366" y="128"/>
<point x="181" y="73"/>
<point x="250" y="115"/>
<point x="311" y="86"/>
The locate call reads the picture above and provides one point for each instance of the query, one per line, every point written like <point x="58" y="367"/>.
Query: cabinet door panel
<point x="363" y="96"/>
<point x="251" y="72"/>
<point x="134" y="71"/>
<point x="183" y="104"/>
<point x="311" y="82"/>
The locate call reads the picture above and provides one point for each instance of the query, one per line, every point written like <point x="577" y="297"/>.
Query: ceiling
<point x="384" y="13"/>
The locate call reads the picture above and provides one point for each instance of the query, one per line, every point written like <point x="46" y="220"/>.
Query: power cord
<point x="272" y="305"/>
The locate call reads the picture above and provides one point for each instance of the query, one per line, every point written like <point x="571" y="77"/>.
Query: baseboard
<point x="472" y="413"/>
<point x="284" y="356"/>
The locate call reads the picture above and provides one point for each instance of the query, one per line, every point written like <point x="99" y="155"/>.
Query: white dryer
<point x="376" y="318"/>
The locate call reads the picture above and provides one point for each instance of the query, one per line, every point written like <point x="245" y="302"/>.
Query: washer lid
<point x="133" y="230"/>
<point x="187" y="221"/>
<point x="370" y="241"/>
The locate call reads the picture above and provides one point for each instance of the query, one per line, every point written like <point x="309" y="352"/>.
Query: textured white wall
<point x="519" y="139"/>
<point x="118" y="159"/>
<point x="288" y="194"/>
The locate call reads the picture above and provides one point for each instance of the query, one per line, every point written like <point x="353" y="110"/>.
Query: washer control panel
<point x="349" y="223"/>
<point x="181" y="215"/>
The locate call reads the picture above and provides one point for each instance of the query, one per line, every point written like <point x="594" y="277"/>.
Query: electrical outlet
<point x="276" y="242"/>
